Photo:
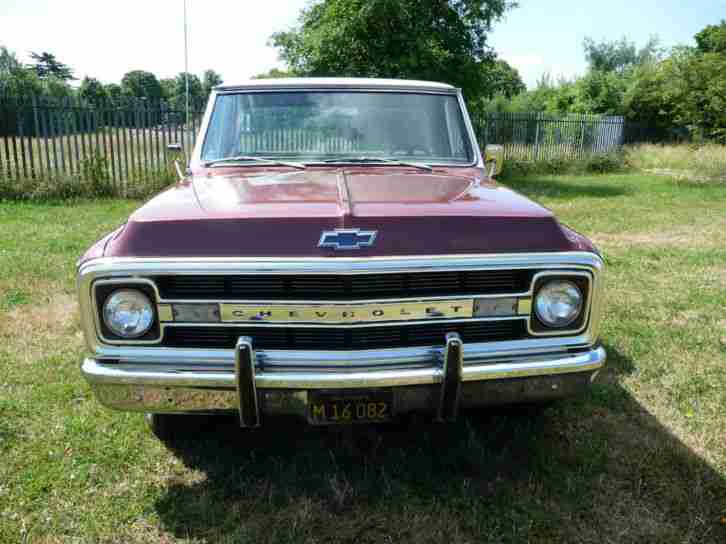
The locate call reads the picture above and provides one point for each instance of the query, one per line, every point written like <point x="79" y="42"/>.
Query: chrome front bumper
<point x="439" y="387"/>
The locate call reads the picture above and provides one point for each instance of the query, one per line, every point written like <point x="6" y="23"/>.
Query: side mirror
<point x="494" y="159"/>
<point x="177" y="148"/>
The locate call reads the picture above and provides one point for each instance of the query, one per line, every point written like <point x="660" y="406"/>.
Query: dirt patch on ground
<point x="680" y="237"/>
<point x="30" y="328"/>
<point x="710" y="234"/>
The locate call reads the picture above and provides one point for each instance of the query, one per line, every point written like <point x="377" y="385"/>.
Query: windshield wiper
<point x="246" y="158"/>
<point x="420" y="165"/>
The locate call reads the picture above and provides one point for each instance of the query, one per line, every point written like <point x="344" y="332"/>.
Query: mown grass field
<point x="704" y="162"/>
<point x="641" y="458"/>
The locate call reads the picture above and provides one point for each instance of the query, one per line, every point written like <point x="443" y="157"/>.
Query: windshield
<point x="317" y="126"/>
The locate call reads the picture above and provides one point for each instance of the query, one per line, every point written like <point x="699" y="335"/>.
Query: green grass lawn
<point x="690" y="161"/>
<point x="640" y="458"/>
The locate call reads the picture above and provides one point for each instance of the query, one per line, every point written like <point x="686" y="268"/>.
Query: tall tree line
<point x="46" y="76"/>
<point x="682" y="90"/>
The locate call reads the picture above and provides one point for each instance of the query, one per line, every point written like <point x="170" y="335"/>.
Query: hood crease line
<point x="345" y="203"/>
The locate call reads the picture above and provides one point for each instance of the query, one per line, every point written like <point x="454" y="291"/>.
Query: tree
<point x="647" y="100"/>
<point x="19" y="81"/>
<point x="699" y="91"/>
<point x="210" y="79"/>
<point x="56" y="87"/>
<point x="275" y="73"/>
<point x="196" y="93"/>
<point x="712" y="39"/>
<point x="613" y="67"/>
<point x="113" y="91"/>
<point x="9" y="62"/>
<point x="443" y="40"/>
<point x="15" y="79"/>
<point x="140" y="84"/>
<point x="540" y="99"/>
<point x="620" y="55"/>
<point x="503" y="79"/>
<point x="92" y="91"/>
<point x="46" y="65"/>
<point x="168" y="88"/>
<point x="687" y="89"/>
<point x="598" y="92"/>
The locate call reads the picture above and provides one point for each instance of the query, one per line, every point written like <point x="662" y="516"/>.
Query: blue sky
<point x="105" y="39"/>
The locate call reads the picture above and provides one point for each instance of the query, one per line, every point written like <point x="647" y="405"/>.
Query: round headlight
<point x="558" y="303"/>
<point x="128" y="313"/>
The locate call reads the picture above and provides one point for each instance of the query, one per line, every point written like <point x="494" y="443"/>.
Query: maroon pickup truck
<point x="338" y="251"/>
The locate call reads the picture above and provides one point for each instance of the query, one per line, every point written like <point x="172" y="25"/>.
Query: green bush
<point x="604" y="163"/>
<point x="95" y="172"/>
<point x="93" y="182"/>
<point x="61" y="187"/>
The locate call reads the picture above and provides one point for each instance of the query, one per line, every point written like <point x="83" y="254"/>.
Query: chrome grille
<point x="330" y="338"/>
<point x="342" y="287"/>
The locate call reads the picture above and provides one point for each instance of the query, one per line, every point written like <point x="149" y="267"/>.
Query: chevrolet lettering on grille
<point x="346" y="313"/>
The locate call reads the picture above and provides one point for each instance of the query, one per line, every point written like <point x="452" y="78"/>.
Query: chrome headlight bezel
<point x="583" y="282"/>
<point x="103" y="290"/>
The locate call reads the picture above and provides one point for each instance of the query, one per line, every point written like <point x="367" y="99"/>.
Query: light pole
<point x="186" y="67"/>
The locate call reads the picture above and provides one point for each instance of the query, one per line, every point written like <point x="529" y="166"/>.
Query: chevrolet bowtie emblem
<point x="341" y="239"/>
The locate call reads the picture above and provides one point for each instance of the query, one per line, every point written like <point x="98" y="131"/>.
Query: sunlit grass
<point x="703" y="161"/>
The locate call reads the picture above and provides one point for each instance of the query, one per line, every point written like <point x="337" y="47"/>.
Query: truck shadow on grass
<point x="560" y="188"/>
<point x="592" y="469"/>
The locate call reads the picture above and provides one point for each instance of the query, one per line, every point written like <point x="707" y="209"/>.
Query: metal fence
<point x="43" y="138"/>
<point x="537" y="136"/>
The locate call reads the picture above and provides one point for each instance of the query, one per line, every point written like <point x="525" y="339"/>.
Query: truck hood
<point x="267" y="213"/>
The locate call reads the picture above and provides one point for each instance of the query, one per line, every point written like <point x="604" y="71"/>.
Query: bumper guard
<point x="252" y="389"/>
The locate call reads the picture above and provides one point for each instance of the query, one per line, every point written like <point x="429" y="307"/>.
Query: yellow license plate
<point x="336" y="408"/>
